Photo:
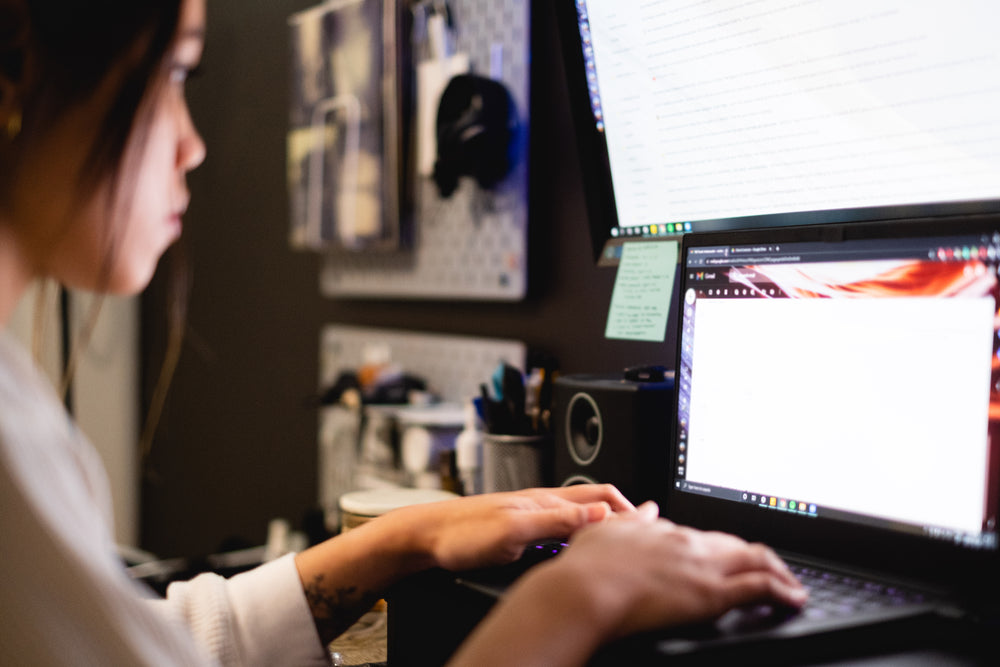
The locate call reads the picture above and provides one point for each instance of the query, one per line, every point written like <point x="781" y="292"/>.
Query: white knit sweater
<point x="65" y="598"/>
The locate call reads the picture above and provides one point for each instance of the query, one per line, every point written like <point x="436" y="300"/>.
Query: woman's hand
<point x="632" y="573"/>
<point x="344" y="575"/>
<point x="674" y="574"/>
<point x="493" y="529"/>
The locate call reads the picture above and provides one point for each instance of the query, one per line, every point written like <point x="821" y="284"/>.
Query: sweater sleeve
<point x="259" y="617"/>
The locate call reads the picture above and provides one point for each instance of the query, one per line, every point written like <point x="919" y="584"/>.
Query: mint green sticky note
<point x="640" y="300"/>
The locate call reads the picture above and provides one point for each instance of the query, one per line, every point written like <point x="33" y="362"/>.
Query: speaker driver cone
<point x="584" y="429"/>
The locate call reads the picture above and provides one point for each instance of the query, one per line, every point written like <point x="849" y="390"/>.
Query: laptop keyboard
<point x="539" y="552"/>
<point x="837" y="602"/>
<point x="832" y="594"/>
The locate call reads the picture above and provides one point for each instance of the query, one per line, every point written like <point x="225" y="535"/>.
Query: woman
<point x="95" y="143"/>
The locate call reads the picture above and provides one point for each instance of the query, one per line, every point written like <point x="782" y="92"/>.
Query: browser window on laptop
<point x="849" y="381"/>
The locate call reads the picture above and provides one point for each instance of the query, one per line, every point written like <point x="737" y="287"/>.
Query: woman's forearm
<point x="547" y="620"/>
<point x="344" y="576"/>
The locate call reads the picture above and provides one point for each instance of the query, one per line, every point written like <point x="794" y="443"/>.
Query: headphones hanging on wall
<point x="477" y="130"/>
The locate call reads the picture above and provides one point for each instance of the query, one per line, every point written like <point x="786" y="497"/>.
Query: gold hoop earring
<point x="13" y="126"/>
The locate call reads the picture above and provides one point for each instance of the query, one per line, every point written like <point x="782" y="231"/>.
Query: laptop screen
<point x="852" y="380"/>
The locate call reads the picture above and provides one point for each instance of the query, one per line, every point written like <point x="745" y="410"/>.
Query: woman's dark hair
<point x="75" y="45"/>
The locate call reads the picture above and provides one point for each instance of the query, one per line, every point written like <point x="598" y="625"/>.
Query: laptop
<point x="837" y="398"/>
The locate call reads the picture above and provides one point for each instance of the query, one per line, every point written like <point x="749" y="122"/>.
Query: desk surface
<point x="364" y="642"/>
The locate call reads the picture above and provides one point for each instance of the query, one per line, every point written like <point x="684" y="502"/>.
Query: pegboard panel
<point x="474" y="244"/>
<point x="452" y="366"/>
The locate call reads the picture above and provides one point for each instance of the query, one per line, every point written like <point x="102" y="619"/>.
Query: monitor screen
<point x="723" y="114"/>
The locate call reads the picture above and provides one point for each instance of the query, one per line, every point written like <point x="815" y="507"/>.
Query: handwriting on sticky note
<point x="640" y="300"/>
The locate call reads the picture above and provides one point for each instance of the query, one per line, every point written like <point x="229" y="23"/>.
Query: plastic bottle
<point x="469" y="452"/>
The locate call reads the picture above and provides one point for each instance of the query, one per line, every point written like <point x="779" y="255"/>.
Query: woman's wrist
<point x="567" y="591"/>
<point x="345" y="575"/>
<point x="550" y="615"/>
<point x="406" y="540"/>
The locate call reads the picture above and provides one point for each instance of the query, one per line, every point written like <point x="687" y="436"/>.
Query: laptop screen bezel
<point x="905" y="555"/>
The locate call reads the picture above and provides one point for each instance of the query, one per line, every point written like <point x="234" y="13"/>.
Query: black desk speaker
<point x="611" y="430"/>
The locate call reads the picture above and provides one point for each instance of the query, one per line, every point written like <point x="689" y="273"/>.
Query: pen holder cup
<point x="512" y="462"/>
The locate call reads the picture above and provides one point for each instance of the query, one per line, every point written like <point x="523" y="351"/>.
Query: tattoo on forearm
<point x="335" y="609"/>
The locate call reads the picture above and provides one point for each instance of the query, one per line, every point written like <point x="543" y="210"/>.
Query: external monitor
<point x="720" y="114"/>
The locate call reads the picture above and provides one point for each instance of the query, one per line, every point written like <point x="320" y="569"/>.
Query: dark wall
<point x="236" y="445"/>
